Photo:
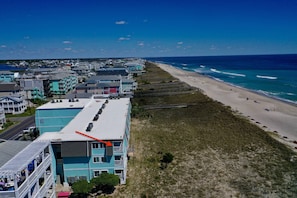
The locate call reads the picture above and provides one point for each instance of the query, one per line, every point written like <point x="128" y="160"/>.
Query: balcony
<point x="117" y="148"/>
<point x="118" y="163"/>
<point x="34" y="176"/>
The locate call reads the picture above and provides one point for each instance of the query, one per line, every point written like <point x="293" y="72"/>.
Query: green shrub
<point x="167" y="158"/>
<point x="82" y="187"/>
<point x="105" y="182"/>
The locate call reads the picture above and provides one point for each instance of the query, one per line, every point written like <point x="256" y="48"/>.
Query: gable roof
<point x="12" y="98"/>
<point x="9" y="87"/>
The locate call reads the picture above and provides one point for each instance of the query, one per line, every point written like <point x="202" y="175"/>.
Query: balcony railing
<point x="117" y="148"/>
<point x="118" y="162"/>
<point x="33" y="177"/>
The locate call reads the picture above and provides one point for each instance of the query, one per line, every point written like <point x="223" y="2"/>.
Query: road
<point x="13" y="132"/>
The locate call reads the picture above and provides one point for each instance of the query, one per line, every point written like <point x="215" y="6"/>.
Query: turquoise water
<point x="272" y="75"/>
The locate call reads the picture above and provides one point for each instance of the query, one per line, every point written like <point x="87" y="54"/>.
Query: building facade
<point x="29" y="173"/>
<point x="62" y="83"/>
<point x="94" y="141"/>
<point x="33" y="88"/>
<point x="6" y="76"/>
<point x="14" y="104"/>
<point x="11" y="88"/>
<point x="2" y="117"/>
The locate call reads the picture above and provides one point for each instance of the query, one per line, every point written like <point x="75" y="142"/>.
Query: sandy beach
<point x="268" y="113"/>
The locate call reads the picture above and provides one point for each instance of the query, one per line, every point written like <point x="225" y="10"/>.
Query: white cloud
<point x="27" y="37"/>
<point x="180" y="43"/>
<point x="120" y="22"/>
<point x="140" y="43"/>
<point x="3" y="46"/>
<point x="68" y="49"/>
<point x="124" y="39"/>
<point x="67" y="42"/>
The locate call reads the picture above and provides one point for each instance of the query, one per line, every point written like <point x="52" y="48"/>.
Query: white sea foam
<point x="214" y="70"/>
<point x="267" y="77"/>
<point x="227" y="73"/>
<point x="202" y="66"/>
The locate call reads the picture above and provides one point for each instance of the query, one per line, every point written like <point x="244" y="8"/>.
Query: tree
<point x="82" y="187"/>
<point x="105" y="182"/>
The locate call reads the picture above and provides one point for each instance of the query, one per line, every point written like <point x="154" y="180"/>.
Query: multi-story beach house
<point x="14" y="104"/>
<point x="10" y="88"/>
<point x="26" y="169"/>
<point x="62" y="83"/>
<point x="113" y="85"/>
<point x="109" y="84"/>
<point x="88" y="136"/>
<point x="6" y="76"/>
<point x="33" y="88"/>
<point x="113" y="71"/>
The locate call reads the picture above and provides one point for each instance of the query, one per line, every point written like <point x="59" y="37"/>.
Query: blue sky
<point x="94" y="29"/>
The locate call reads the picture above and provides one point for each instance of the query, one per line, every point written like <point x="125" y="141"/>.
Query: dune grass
<point x="216" y="153"/>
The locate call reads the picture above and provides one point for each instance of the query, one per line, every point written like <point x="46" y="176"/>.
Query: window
<point x="99" y="159"/>
<point x="98" y="145"/>
<point x="96" y="173"/>
<point x="117" y="157"/>
<point x="95" y="145"/>
<point x="118" y="171"/>
<point x="96" y="159"/>
<point x="103" y="159"/>
<point x="117" y="143"/>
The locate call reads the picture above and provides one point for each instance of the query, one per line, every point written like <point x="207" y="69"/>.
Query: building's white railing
<point x="34" y="176"/>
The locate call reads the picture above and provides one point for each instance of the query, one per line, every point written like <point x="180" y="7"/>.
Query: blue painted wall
<point x="53" y="120"/>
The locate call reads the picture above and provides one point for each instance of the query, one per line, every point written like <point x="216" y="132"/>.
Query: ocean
<point x="7" y="67"/>
<point x="272" y="75"/>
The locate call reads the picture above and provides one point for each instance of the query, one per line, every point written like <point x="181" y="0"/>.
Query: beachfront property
<point x="7" y="76"/>
<point x="88" y="136"/>
<point x="113" y="71"/>
<point x="26" y="169"/>
<point x="135" y="67"/>
<point x="108" y="84"/>
<point x="113" y="85"/>
<point x="128" y="86"/>
<point x="13" y="104"/>
<point x="62" y="83"/>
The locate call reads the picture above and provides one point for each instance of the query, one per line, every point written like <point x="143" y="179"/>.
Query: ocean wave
<point x="214" y="70"/>
<point x="278" y="96"/>
<point x="227" y="73"/>
<point x="267" y="77"/>
<point x="202" y="66"/>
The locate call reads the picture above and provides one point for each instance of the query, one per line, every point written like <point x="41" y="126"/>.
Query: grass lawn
<point x="216" y="153"/>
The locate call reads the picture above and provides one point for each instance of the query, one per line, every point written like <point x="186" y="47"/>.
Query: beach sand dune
<point x="268" y="113"/>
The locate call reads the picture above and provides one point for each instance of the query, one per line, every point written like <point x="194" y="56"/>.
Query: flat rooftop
<point x="110" y="125"/>
<point x="10" y="148"/>
<point x="65" y="103"/>
<point x="19" y="161"/>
